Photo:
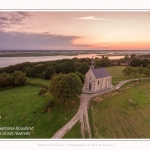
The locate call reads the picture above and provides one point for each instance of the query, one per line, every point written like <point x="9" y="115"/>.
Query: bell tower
<point x="92" y="63"/>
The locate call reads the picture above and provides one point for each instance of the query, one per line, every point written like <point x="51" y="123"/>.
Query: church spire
<point x="92" y="63"/>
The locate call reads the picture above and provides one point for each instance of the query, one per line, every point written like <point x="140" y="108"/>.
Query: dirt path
<point x="82" y="113"/>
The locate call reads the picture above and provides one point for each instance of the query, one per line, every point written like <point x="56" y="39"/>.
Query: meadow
<point x="122" y="115"/>
<point x="23" y="107"/>
<point x="74" y="132"/>
<point x="119" y="116"/>
<point x="117" y="75"/>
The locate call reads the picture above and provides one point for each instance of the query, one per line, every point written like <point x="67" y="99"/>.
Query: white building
<point x="97" y="79"/>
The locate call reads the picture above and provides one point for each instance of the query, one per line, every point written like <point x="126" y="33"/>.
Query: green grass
<point x="75" y="132"/>
<point x="125" y="115"/>
<point x="38" y="80"/>
<point x="117" y="75"/>
<point x="23" y="107"/>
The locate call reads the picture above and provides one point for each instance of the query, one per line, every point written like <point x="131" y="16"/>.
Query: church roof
<point x="100" y="73"/>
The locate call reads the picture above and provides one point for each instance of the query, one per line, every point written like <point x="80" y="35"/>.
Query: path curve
<point x="82" y="111"/>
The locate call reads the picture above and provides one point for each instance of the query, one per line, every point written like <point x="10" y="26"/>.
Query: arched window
<point x="98" y="82"/>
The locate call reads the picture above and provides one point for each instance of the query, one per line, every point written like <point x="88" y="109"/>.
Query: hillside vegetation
<point x="124" y="114"/>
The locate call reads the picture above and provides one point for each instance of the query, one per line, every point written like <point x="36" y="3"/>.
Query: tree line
<point x="17" y="78"/>
<point x="46" y="70"/>
<point x="137" y="71"/>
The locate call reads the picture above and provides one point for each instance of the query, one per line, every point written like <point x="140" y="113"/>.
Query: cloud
<point x="7" y="19"/>
<point x="29" y="41"/>
<point x="3" y="18"/>
<point x="92" y="18"/>
<point x="25" y="14"/>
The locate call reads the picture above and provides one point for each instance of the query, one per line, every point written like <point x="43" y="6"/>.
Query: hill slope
<point x="125" y="115"/>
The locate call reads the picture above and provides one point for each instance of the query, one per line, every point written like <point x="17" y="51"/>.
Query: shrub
<point x="19" y="78"/>
<point x="42" y="91"/>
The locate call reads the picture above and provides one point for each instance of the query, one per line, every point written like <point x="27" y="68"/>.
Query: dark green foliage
<point x="48" y="73"/>
<point x="19" y="78"/>
<point x="81" y="76"/>
<point x="132" y="56"/>
<point x="84" y="68"/>
<point x="42" y="91"/>
<point x="66" y="66"/>
<point x="1" y="71"/>
<point x="102" y="62"/>
<point x="5" y="80"/>
<point x="136" y="71"/>
<point x="146" y="72"/>
<point x="36" y="71"/>
<point x="64" y="86"/>
<point x="16" y="79"/>
<point x="127" y="71"/>
<point x="42" y="70"/>
<point x="148" y="66"/>
<point x="137" y="62"/>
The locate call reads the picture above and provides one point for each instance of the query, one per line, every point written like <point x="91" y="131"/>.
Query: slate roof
<point x="100" y="73"/>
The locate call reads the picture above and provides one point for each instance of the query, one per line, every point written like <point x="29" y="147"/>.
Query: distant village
<point x="126" y="61"/>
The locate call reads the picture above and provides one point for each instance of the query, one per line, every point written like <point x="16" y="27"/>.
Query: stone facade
<point x="97" y="79"/>
<point x="97" y="84"/>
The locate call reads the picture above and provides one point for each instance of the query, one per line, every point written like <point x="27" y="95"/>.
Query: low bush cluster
<point x="17" y="78"/>
<point x="42" y="91"/>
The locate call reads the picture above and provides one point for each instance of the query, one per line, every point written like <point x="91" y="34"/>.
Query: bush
<point x="19" y="78"/>
<point x="42" y="91"/>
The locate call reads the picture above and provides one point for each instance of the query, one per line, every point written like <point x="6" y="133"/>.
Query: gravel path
<point x="82" y="113"/>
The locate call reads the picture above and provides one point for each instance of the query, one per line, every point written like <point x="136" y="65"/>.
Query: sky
<point x="74" y="30"/>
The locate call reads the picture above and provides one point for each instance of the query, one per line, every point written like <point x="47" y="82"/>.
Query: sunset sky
<point x="78" y="30"/>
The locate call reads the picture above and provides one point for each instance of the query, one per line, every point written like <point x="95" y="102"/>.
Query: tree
<point x="139" y="71"/>
<point x="104" y="62"/>
<point x="148" y="66"/>
<point x="64" y="86"/>
<point x="19" y="78"/>
<point x="135" y="62"/>
<point x="48" y="73"/>
<point x="67" y="66"/>
<point x="126" y="57"/>
<point x="84" y="68"/>
<point x="132" y="56"/>
<point x="81" y="76"/>
<point x="127" y="71"/>
<point x="135" y="72"/>
<point x="5" y="80"/>
<point x="146" y="72"/>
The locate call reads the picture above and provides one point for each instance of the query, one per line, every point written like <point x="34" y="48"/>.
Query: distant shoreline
<point x="36" y="53"/>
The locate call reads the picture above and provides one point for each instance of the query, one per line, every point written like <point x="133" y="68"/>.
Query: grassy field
<point x="117" y="75"/>
<point x="22" y="106"/>
<point x="75" y="132"/>
<point x="38" y="80"/>
<point x="125" y="115"/>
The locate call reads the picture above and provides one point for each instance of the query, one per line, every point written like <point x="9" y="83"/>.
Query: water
<point x="7" y="61"/>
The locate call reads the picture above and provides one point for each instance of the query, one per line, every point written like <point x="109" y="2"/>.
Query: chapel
<point x="97" y="79"/>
